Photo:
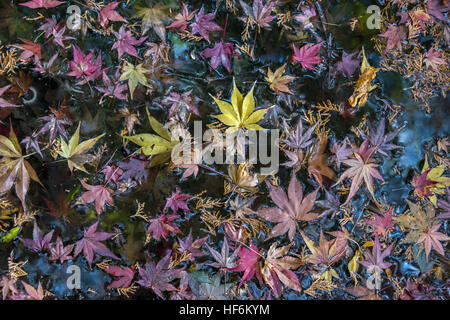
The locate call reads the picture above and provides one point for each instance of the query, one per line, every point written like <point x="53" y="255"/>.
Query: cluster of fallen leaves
<point x="320" y="227"/>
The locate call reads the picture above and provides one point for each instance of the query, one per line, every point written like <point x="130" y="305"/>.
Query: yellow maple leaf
<point x="240" y="113"/>
<point x="159" y="145"/>
<point x="134" y="75"/>
<point x="76" y="152"/>
<point x="363" y="85"/>
<point x="435" y="175"/>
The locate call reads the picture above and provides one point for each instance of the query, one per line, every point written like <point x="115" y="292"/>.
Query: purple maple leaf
<point x="445" y="206"/>
<point x="259" y="13"/>
<point x="436" y="9"/>
<point x="92" y="244"/>
<point x="39" y="243"/>
<point x="112" y="88"/>
<point x="126" y="42"/>
<point x="60" y="252"/>
<point x="348" y="65"/>
<point x="220" y="54"/>
<point x="158" y="276"/>
<point x="376" y="257"/>
<point x="135" y="169"/>
<point x="307" y="55"/>
<point x="191" y="247"/>
<point x="203" y="24"/>
<point x="54" y="125"/>
<point x="32" y="142"/>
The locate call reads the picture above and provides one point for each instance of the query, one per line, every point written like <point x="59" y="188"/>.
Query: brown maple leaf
<point x="318" y="162"/>
<point x="14" y="169"/>
<point x="278" y="82"/>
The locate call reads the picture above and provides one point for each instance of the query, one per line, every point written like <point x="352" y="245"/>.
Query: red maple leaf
<point x="290" y="209"/>
<point x="163" y="226"/>
<point x="125" y="276"/>
<point x="422" y="185"/>
<point x="307" y="55"/>
<point x="3" y="102"/>
<point x="108" y="14"/>
<point x="382" y="223"/>
<point x="249" y="263"/>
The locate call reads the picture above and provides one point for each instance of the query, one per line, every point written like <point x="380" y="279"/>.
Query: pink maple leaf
<point x="433" y="59"/>
<point x="30" y="49"/>
<point x="432" y="239"/>
<point x="98" y="194"/>
<point x="92" y="244"/>
<point x="112" y="174"/>
<point x="307" y="55"/>
<point x="249" y="263"/>
<point x="34" y="294"/>
<point x="35" y="4"/>
<point x="59" y="37"/>
<point x="109" y="14"/>
<point x="125" y="276"/>
<point x="220" y="54"/>
<point x="48" y="26"/>
<point x="177" y="201"/>
<point x="203" y="24"/>
<point x="305" y="17"/>
<point x="394" y="37"/>
<point x="126" y="42"/>
<point x="181" y="19"/>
